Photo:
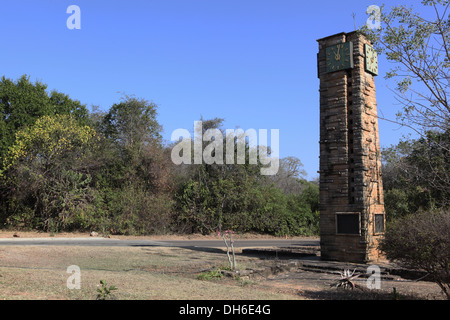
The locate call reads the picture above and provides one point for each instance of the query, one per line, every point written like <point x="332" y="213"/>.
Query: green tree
<point x="216" y="196"/>
<point x="416" y="174"/>
<point x="419" y="47"/>
<point x="134" y="179"/>
<point x="23" y="102"/>
<point x="417" y="43"/>
<point x="132" y="122"/>
<point x="45" y="172"/>
<point x="133" y="137"/>
<point x="237" y="197"/>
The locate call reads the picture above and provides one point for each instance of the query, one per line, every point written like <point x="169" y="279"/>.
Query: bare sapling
<point x="227" y="237"/>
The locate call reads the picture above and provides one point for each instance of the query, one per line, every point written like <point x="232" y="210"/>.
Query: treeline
<point x="64" y="168"/>
<point x="416" y="175"/>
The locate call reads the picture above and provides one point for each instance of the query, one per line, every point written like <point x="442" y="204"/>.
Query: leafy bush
<point x="43" y="170"/>
<point x="244" y="208"/>
<point x="422" y="241"/>
<point x="210" y="275"/>
<point x="104" y="292"/>
<point x="133" y="210"/>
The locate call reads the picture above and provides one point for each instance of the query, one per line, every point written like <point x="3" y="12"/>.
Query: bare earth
<point x="171" y="273"/>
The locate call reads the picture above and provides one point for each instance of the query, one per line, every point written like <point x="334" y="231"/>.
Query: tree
<point x="217" y="196"/>
<point x="132" y="123"/>
<point x="416" y="174"/>
<point x="135" y="178"/>
<point x="419" y="47"/>
<point x="237" y="197"/>
<point x="290" y="176"/>
<point x="133" y="142"/>
<point x="45" y="171"/>
<point x="23" y="102"/>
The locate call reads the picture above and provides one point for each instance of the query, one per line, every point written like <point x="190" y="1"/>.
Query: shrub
<point x="245" y="207"/>
<point x="422" y="241"/>
<point x="134" y="210"/>
<point x="104" y="292"/>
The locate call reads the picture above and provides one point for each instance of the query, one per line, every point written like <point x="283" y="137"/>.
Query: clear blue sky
<point x="252" y="62"/>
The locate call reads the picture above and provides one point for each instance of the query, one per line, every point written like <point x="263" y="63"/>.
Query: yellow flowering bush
<point x="46" y="169"/>
<point x="49" y="139"/>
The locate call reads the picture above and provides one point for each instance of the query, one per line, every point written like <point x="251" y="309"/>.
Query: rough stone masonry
<point x="352" y="215"/>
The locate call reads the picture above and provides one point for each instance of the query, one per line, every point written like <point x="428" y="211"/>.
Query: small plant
<point x="210" y="275"/>
<point x="104" y="292"/>
<point x="227" y="237"/>
<point x="346" y="280"/>
<point x="245" y="282"/>
<point x="395" y="294"/>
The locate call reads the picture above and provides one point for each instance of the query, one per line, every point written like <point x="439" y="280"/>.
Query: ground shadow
<point x="357" y="294"/>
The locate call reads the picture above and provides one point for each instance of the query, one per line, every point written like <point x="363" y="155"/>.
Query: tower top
<point x="346" y="34"/>
<point x="334" y="35"/>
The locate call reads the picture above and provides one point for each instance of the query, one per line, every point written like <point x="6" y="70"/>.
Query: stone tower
<point x="352" y="216"/>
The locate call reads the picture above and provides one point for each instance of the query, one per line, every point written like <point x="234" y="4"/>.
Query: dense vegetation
<point x="65" y="168"/>
<point x="416" y="41"/>
<point x="416" y="173"/>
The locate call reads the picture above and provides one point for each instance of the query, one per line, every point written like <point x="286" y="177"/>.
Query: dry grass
<point x="167" y="273"/>
<point x="139" y="273"/>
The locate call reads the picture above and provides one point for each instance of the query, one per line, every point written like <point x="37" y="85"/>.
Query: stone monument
<point x="352" y="218"/>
